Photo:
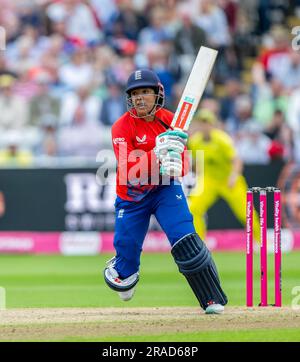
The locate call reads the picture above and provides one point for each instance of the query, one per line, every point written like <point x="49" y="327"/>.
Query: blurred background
<point x="63" y="69"/>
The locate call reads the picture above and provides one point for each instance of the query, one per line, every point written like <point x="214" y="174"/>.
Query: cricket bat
<point x="194" y="88"/>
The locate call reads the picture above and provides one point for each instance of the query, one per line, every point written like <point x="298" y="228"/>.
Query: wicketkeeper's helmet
<point x="145" y="78"/>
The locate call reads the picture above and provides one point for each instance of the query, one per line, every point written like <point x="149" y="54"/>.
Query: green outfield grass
<point x="64" y="281"/>
<point x="265" y="335"/>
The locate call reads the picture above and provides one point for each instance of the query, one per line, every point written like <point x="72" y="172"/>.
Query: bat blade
<point x="194" y="88"/>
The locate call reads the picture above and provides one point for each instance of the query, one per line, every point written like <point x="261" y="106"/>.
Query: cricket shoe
<point x="127" y="295"/>
<point x="214" y="309"/>
<point x="124" y="287"/>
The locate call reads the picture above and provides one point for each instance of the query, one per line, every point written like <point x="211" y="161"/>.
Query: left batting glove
<point x="171" y="164"/>
<point x="170" y="141"/>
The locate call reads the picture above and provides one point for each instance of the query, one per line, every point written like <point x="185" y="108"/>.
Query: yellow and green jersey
<point x="219" y="152"/>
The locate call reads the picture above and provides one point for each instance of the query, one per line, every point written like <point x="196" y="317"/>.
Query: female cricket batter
<point x="149" y="161"/>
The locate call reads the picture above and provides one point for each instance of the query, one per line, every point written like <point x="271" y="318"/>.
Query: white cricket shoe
<point x="127" y="295"/>
<point x="112" y="279"/>
<point x="214" y="309"/>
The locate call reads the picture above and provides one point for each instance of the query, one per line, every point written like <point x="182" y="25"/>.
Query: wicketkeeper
<point x="150" y="159"/>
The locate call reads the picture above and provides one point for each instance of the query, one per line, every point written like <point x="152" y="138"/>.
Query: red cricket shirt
<point x="133" y="141"/>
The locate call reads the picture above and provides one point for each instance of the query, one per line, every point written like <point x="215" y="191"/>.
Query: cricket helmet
<point x="145" y="78"/>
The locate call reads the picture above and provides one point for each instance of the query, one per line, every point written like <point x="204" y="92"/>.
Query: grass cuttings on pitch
<point x="63" y="282"/>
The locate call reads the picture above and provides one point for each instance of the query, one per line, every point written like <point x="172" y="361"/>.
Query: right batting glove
<point x="171" y="164"/>
<point x="170" y="141"/>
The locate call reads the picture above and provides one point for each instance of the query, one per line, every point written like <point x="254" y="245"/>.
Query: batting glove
<point x="170" y="141"/>
<point x="171" y="164"/>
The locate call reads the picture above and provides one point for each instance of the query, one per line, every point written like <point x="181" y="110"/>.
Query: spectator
<point x="78" y="18"/>
<point x="228" y="102"/>
<point x="189" y="36"/>
<point x="13" y="154"/>
<point x="264" y="21"/>
<point x="245" y="40"/>
<point x="52" y="57"/>
<point x="43" y="103"/>
<point x="230" y="9"/>
<point x="15" y="115"/>
<point x="126" y="21"/>
<point x="156" y="31"/>
<point x="105" y="9"/>
<point x="21" y="55"/>
<point x="29" y="14"/>
<point x="243" y="114"/>
<point x="104" y="59"/>
<point x="213" y="20"/>
<point x="252" y="145"/>
<point x="159" y="60"/>
<point x="270" y="12"/>
<point x="14" y="110"/>
<point x="48" y="146"/>
<point x="270" y="97"/>
<point x="188" y="39"/>
<point x="79" y="108"/>
<point x="9" y="20"/>
<point x="273" y="59"/>
<point x="78" y="72"/>
<point x="290" y="74"/>
<point x="113" y="105"/>
<point x="281" y="135"/>
<point x="275" y="128"/>
<point x="120" y="69"/>
<point x="80" y="133"/>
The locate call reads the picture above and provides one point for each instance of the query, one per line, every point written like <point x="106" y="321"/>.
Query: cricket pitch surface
<point x="49" y="324"/>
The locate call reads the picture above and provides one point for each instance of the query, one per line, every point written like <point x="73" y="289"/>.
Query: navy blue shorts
<point x="168" y="204"/>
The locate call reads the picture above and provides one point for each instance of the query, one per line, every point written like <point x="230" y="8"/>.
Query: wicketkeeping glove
<point x="171" y="164"/>
<point x="170" y="141"/>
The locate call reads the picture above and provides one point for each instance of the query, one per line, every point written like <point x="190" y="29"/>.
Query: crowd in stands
<point x="65" y="64"/>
